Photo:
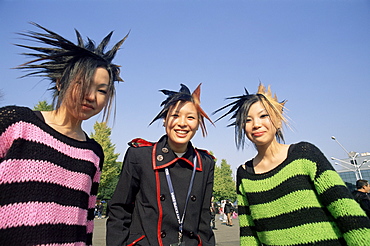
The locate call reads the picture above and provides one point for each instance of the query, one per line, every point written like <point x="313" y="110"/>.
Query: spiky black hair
<point x="63" y="61"/>
<point x="183" y="95"/>
<point x="241" y="105"/>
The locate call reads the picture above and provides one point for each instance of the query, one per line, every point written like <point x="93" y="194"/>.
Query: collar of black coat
<point x="163" y="156"/>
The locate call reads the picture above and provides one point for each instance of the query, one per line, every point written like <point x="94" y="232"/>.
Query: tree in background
<point x="43" y="106"/>
<point x="224" y="185"/>
<point x="111" y="168"/>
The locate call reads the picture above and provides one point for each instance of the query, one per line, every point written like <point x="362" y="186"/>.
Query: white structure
<point x="354" y="162"/>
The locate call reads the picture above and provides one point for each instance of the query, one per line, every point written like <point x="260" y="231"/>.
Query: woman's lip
<point x="87" y="106"/>
<point x="181" y="131"/>
<point x="257" y="134"/>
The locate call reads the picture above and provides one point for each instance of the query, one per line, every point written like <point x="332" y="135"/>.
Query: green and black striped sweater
<point x="303" y="201"/>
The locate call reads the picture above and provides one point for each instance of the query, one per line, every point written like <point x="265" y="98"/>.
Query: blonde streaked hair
<point x="239" y="109"/>
<point x="274" y="108"/>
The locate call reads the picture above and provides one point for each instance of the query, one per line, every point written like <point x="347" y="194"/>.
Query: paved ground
<point x="225" y="235"/>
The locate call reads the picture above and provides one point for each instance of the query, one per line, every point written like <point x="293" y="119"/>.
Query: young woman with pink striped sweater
<point x="49" y="167"/>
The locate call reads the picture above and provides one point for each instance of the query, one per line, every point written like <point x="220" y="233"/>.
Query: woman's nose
<point x="256" y="123"/>
<point x="90" y="96"/>
<point x="182" y="121"/>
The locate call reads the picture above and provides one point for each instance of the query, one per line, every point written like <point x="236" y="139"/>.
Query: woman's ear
<point x="279" y="124"/>
<point x="57" y="85"/>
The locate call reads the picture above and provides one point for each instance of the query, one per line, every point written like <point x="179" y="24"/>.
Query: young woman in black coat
<point x="165" y="188"/>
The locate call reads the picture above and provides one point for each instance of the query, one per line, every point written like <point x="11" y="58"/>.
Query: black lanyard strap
<point x="173" y="197"/>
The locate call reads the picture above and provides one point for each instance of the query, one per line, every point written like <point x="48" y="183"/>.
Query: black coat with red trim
<point x="141" y="210"/>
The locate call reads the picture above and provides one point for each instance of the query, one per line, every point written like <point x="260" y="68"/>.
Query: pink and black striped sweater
<point x="48" y="182"/>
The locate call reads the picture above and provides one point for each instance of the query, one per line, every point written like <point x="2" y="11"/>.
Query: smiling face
<point x="259" y="128"/>
<point x="181" y="123"/>
<point x="95" y="98"/>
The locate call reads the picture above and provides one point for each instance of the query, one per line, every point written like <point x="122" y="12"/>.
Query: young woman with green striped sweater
<point x="289" y="194"/>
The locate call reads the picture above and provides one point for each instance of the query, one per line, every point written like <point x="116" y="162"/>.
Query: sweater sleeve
<point x="205" y="231"/>
<point x="248" y="236"/>
<point x="8" y="117"/>
<point x="120" y="207"/>
<point x="335" y="196"/>
<point x="93" y="195"/>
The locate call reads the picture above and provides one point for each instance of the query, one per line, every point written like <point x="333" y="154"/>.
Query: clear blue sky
<point x="315" y="54"/>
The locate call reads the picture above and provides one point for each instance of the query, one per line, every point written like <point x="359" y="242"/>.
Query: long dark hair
<point x="64" y="62"/>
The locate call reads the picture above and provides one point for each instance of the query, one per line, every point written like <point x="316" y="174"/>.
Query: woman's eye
<point x="248" y="120"/>
<point x="175" y="115"/>
<point x="264" y="115"/>
<point x="103" y="91"/>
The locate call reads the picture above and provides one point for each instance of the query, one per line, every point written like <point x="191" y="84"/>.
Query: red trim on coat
<point x="166" y="165"/>
<point x="139" y="142"/>
<point x="199" y="161"/>
<point x="206" y="151"/>
<point x="158" y="188"/>
<point x="200" y="243"/>
<point x="200" y="168"/>
<point x="137" y="240"/>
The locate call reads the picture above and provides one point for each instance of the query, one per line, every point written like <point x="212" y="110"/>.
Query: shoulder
<point x="96" y="147"/>
<point x="14" y="111"/>
<point x="139" y="148"/>
<point x="204" y="152"/>
<point x="139" y="142"/>
<point x="91" y="145"/>
<point x="305" y="146"/>
<point x="359" y="195"/>
<point x="13" y="114"/>
<point x="356" y="194"/>
<point x="207" y="158"/>
<point x="242" y="172"/>
<point x="306" y="150"/>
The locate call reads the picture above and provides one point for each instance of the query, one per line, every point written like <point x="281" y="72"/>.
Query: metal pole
<point x="354" y="162"/>
<point x="341" y="146"/>
<point x="358" y="174"/>
<point x="357" y="166"/>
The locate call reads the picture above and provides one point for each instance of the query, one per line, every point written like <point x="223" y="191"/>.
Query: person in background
<point x="49" y="167"/>
<point x="361" y="195"/>
<point x="288" y="194"/>
<point x="165" y="188"/>
<point x="229" y="209"/>
<point x="222" y="217"/>
<point x="213" y="210"/>
<point x="99" y="209"/>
